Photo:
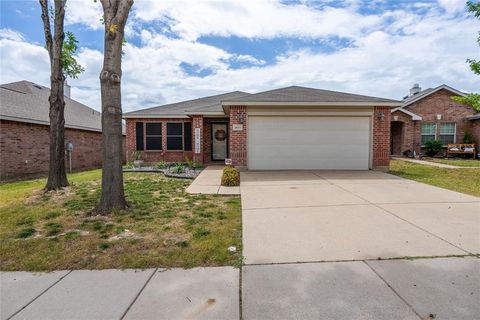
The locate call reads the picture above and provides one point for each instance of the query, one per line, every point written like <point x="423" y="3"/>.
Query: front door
<point x="219" y="141"/>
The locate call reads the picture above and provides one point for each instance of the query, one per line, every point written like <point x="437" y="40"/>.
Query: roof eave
<point x="206" y="113"/>
<point x="46" y="123"/>
<point x="414" y="116"/>
<point x="158" y="115"/>
<point x="318" y="104"/>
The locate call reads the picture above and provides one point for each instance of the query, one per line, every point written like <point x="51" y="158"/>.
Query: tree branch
<point x="46" y="28"/>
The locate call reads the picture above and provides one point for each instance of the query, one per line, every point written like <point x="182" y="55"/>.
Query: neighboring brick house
<point x="287" y="128"/>
<point x="431" y="114"/>
<point x="24" y="131"/>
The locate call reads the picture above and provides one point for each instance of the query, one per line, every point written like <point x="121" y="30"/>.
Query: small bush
<point x="178" y="168"/>
<point x="162" y="165"/>
<point x="230" y="177"/>
<point x="129" y="165"/>
<point x="468" y="138"/>
<point x="432" y="147"/>
<point x="192" y="164"/>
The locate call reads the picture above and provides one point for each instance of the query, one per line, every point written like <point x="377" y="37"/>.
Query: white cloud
<point x="386" y="58"/>
<point x="86" y="12"/>
<point x="452" y="6"/>
<point x="253" y="19"/>
<point x="6" y="33"/>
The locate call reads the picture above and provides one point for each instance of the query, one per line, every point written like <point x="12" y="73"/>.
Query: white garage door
<point x="320" y="142"/>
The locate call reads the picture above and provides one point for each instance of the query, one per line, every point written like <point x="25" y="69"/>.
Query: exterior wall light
<point x="381" y="116"/>
<point x="241" y="117"/>
<point x="439" y="117"/>
<point x="395" y="118"/>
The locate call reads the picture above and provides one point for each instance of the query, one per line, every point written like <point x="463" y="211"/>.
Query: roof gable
<point x="427" y="92"/>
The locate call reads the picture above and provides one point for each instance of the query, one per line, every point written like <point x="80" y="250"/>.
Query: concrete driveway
<point x="305" y="216"/>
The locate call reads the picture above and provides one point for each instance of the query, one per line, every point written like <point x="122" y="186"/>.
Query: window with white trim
<point x="447" y="133"/>
<point x="428" y="132"/>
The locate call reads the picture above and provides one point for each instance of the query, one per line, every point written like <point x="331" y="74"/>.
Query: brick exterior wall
<point x="238" y="139"/>
<point x="154" y="156"/>
<point x="441" y="103"/>
<point x="381" y="138"/>
<point x="24" y="149"/>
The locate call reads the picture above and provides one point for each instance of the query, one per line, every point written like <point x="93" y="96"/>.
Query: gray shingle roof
<point x="303" y="94"/>
<point x="25" y="101"/>
<point x="206" y="104"/>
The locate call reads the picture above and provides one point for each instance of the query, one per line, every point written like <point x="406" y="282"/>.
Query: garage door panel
<point x="308" y="143"/>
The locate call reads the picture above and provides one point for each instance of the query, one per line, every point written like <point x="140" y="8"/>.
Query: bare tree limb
<point x="46" y="28"/>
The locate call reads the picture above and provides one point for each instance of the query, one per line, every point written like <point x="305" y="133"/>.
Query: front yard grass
<point x="460" y="180"/>
<point x="458" y="162"/>
<point x="163" y="227"/>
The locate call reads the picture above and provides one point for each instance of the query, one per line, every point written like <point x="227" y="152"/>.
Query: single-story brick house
<point x="287" y="128"/>
<point x="25" y="134"/>
<point x="431" y="114"/>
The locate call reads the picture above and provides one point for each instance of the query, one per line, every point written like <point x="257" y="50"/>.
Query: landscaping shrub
<point x="192" y="164"/>
<point x="162" y="165"/>
<point x="178" y="168"/>
<point x="468" y="138"/>
<point x="230" y="177"/>
<point x="432" y="147"/>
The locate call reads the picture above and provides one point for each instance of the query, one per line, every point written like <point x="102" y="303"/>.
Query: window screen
<point x="139" y="135"/>
<point x="428" y="132"/>
<point x="447" y="133"/>
<point x="153" y="136"/>
<point x="174" y="136"/>
<point x="187" y="136"/>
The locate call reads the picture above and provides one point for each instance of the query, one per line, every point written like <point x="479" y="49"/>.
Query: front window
<point x="174" y="136"/>
<point x="447" y="133"/>
<point x="153" y="136"/>
<point x="428" y="132"/>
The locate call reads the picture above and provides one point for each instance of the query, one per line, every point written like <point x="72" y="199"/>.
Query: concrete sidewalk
<point x="209" y="182"/>
<point x="448" y="288"/>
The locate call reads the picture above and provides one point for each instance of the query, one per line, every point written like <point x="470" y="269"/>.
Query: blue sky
<point x="185" y="49"/>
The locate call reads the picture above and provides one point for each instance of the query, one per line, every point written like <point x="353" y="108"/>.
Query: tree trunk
<point x="57" y="175"/>
<point x="113" y="195"/>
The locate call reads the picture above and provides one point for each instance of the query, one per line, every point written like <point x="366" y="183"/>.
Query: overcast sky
<point x="179" y="50"/>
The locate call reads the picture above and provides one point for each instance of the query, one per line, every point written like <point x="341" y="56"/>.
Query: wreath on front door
<point x="220" y="135"/>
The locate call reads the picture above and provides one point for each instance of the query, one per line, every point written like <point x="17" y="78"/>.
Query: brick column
<point x="130" y="143"/>
<point x="238" y="139"/>
<point x="381" y="138"/>
<point x="197" y="122"/>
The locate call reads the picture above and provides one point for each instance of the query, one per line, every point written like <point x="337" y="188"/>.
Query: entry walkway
<point x="209" y="182"/>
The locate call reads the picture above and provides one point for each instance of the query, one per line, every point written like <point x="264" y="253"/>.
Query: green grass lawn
<point x="458" y="162"/>
<point x="461" y="180"/>
<point x="163" y="227"/>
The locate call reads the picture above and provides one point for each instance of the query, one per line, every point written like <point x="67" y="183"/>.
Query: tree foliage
<point x="71" y="68"/>
<point x="474" y="7"/>
<point x="472" y="99"/>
